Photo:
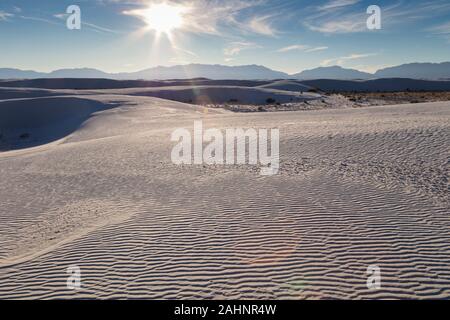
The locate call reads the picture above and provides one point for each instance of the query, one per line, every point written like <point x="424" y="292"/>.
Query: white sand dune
<point x="30" y="122"/>
<point x="287" y="85"/>
<point x="357" y="187"/>
<point x="217" y="94"/>
<point x="280" y="91"/>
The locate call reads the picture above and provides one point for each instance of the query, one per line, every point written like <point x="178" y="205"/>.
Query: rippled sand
<point x="357" y="187"/>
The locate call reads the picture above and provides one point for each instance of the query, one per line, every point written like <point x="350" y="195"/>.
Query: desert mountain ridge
<point x="429" y="71"/>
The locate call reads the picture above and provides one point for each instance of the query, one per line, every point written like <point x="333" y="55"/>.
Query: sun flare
<point x="163" y="18"/>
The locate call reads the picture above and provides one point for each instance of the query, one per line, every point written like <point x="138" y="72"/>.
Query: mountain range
<point x="332" y="73"/>
<point x="429" y="71"/>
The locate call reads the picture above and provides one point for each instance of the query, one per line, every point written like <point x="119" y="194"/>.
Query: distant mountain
<point x="431" y="71"/>
<point x="333" y="73"/>
<point x="9" y="73"/>
<point x="214" y="72"/>
<point x="78" y="73"/>
<point x="86" y="73"/>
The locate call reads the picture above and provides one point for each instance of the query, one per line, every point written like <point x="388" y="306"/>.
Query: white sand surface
<point x="217" y="94"/>
<point x="280" y="91"/>
<point x="357" y="187"/>
<point x="287" y="85"/>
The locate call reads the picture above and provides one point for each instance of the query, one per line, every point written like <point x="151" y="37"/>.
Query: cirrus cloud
<point x="304" y="48"/>
<point x="4" y="16"/>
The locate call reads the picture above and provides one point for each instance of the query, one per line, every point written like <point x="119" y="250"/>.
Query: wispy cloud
<point x="442" y="29"/>
<point x="185" y="51"/>
<point x="39" y="19"/>
<point x="317" y="49"/>
<point x="335" y="4"/>
<point x="299" y="47"/>
<point x="235" y="48"/>
<point x="4" y="16"/>
<point x="61" y="16"/>
<point x="346" y="25"/>
<point x="349" y="16"/>
<point x="91" y="26"/>
<point x="222" y="18"/>
<point x="341" y="60"/>
<point x="262" y="25"/>
<point x="99" y="28"/>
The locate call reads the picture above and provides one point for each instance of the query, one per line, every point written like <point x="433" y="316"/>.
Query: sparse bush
<point x="270" y="101"/>
<point x="233" y="101"/>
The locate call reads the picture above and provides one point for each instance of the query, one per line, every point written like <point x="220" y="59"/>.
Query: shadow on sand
<point x="33" y="122"/>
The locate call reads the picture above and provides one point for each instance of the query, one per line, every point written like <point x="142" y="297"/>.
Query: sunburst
<point x="163" y="18"/>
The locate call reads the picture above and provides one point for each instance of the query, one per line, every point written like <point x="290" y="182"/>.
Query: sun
<point x="163" y="17"/>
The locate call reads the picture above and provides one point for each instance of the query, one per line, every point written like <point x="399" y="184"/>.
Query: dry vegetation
<point x="338" y="101"/>
<point x="387" y="98"/>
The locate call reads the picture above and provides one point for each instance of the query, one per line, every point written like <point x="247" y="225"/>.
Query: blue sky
<point x="290" y="35"/>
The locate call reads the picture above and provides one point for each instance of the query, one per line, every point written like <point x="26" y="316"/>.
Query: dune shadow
<point x="34" y="122"/>
<point x="25" y="93"/>
<point x="203" y="95"/>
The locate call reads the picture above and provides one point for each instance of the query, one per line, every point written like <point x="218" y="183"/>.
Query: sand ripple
<point x="357" y="188"/>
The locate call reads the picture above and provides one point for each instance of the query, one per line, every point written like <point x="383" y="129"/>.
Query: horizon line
<point x="217" y="64"/>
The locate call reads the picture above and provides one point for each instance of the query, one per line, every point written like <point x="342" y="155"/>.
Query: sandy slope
<point x="280" y="91"/>
<point x="357" y="187"/>
<point x="31" y="122"/>
<point x="219" y="94"/>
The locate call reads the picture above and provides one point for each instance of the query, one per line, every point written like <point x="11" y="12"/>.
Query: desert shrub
<point x="270" y="101"/>
<point x="24" y="136"/>
<point x="233" y="101"/>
